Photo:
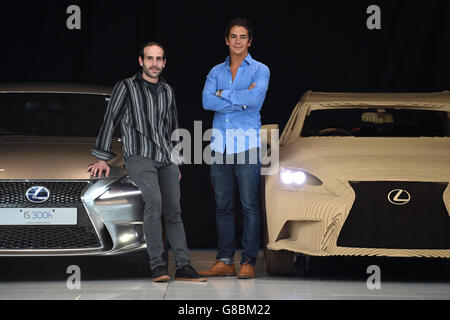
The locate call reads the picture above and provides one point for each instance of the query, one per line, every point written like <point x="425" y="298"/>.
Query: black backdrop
<point x="317" y="45"/>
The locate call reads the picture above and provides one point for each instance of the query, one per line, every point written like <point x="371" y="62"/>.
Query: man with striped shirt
<point x="144" y="107"/>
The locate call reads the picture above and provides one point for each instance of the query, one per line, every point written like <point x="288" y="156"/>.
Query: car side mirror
<point x="267" y="131"/>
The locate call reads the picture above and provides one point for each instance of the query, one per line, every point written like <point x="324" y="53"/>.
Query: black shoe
<point x="187" y="273"/>
<point x="160" y="274"/>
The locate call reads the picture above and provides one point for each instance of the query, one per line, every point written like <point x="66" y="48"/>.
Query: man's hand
<point x="98" y="168"/>
<point x="252" y="86"/>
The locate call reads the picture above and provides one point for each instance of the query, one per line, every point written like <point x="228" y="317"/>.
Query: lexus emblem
<point x="37" y="194"/>
<point x="399" y="197"/>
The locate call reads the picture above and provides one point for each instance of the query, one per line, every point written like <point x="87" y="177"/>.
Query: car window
<point x="377" y="122"/>
<point x="52" y="114"/>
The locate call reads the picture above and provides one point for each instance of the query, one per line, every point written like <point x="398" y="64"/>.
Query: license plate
<point x="38" y="216"/>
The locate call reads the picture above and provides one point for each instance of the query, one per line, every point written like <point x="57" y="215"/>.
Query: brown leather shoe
<point x="247" y="271"/>
<point x="219" y="269"/>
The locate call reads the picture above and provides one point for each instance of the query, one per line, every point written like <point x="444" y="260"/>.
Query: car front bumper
<point x="311" y="221"/>
<point x="111" y="226"/>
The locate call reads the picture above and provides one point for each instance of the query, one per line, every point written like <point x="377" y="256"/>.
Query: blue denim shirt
<point x="238" y="127"/>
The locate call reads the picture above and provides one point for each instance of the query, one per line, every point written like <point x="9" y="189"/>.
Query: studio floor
<point x="336" y="278"/>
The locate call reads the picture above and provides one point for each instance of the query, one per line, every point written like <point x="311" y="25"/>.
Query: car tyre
<point x="280" y="263"/>
<point x="301" y="264"/>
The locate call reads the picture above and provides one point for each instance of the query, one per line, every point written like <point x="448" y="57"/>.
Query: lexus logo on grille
<point x="37" y="194"/>
<point x="399" y="197"/>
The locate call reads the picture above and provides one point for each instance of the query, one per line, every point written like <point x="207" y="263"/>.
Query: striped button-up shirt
<point x="146" y="121"/>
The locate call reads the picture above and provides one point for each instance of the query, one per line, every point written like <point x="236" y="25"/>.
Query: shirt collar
<point x="138" y="76"/>
<point x="248" y="59"/>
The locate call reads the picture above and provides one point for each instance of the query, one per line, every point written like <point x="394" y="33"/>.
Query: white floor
<point x="327" y="280"/>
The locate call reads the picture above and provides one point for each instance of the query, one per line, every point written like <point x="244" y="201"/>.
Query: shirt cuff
<point x="226" y="95"/>
<point x="103" y="155"/>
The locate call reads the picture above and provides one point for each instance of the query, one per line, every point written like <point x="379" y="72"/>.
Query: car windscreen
<point x="52" y="114"/>
<point x="377" y="122"/>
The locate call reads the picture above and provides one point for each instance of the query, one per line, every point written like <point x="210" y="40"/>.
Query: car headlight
<point x="298" y="177"/>
<point x="120" y="189"/>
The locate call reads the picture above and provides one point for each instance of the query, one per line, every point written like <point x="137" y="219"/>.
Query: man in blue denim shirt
<point x="235" y="90"/>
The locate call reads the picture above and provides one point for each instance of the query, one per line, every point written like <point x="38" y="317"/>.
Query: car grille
<point x="374" y="222"/>
<point x="62" y="195"/>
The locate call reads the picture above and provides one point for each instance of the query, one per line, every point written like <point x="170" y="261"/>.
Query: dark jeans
<point x="160" y="188"/>
<point x="224" y="178"/>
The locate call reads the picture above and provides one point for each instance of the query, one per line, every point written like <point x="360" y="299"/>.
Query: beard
<point x="154" y="74"/>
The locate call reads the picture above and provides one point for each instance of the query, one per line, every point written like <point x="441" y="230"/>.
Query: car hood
<point x="35" y="158"/>
<point x="371" y="159"/>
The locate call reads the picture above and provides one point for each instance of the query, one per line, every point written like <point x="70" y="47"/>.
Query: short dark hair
<point x="150" y="44"/>
<point x="241" y="22"/>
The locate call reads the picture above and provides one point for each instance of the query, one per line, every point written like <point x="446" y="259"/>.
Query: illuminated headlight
<point x="108" y="195"/>
<point x="120" y="189"/>
<point x="297" y="177"/>
<point x="292" y="177"/>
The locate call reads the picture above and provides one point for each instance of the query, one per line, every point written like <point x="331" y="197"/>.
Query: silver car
<point x="49" y="204"/>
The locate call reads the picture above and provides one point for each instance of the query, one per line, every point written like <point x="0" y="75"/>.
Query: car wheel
<point x="278" y="263"/>
<point x="301" y="264"/>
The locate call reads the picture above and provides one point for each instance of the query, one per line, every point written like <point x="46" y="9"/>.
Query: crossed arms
<point x="233" y="100"/>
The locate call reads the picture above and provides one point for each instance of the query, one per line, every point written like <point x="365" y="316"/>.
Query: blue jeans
<point x="224" y="178"/>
